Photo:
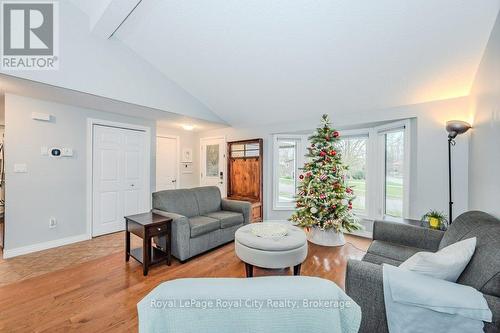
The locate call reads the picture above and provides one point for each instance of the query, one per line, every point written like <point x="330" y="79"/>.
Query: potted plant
<point x="437" y="220"/>
<point x="324" y="200"/>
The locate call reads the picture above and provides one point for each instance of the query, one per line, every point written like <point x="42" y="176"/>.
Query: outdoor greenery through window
<point x="353" y="150"/>
<point x="378" y="159"/>
<point x="394" y="172"/>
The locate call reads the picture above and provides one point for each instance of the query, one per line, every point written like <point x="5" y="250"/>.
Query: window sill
<point x="284" y="208"/>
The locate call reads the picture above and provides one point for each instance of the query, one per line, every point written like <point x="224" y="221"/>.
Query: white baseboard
<point x="10" y="253"/>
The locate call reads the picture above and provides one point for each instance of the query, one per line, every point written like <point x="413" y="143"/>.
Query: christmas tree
<point x="324" y="200"/>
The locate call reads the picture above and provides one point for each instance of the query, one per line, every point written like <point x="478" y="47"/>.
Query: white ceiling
<point x="261" y="61"/>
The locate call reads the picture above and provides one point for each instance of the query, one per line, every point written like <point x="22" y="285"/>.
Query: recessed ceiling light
<point x="188" y="127"/>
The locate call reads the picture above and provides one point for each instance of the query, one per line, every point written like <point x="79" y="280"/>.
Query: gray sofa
<point x="393" y="243"/>
<point x="201" y="219"/>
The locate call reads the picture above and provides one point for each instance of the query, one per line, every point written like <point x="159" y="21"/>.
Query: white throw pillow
<point x="446" y="264"/>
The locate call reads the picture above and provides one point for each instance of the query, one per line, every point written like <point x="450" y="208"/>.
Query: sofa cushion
<point x="227" y="219"/>
<point x="182" y="202"/>
<point x="445" y="264"/>
<point x="483" y="270"/>
<point x="392" y="251"/>
<point x="201" y="225"/>
<point x="379" y="260"/>
<point x="208" y="197"/>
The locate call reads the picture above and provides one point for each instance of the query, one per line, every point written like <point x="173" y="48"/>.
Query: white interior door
<point x="167" y="163"/>
<point x="118" y="177"/>
<point x="213" y="163"/>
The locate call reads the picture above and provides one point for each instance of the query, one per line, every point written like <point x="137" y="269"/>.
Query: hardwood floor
<point x="101" y="295"/>
<point x="42" y="262"/>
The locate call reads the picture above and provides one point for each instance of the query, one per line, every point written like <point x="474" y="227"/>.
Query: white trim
<point x="10" y="253"/>
<point x="178" y="164"/>
<point x="147" y="162"/>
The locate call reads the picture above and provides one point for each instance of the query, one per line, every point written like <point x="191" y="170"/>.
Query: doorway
<point x="167" y="163"/>
<point x="120" y="175"/>
<point x="213" y="163"/>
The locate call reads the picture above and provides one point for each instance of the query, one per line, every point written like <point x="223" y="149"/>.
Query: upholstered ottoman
<point x="287" y="251"/>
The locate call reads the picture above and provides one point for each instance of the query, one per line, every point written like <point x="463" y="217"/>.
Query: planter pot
<point x="325" y="237"/>
<point x="434" y="223"/>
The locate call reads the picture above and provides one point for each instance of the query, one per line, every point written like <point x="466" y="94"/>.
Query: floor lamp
<point x="454" y="128"/>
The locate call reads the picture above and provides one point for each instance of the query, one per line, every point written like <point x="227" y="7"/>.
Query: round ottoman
<point x="287" y="251"/>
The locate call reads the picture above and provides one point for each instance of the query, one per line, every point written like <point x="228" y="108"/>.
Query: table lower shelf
<point x="157" y="255"/>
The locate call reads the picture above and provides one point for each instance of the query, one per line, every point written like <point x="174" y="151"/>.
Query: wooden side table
<point x="146" y="226"/>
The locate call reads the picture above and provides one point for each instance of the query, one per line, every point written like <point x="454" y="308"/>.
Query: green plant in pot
<point x="437" y="220"/>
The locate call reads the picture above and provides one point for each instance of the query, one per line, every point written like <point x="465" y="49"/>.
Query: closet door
<point x="118" y="182"/>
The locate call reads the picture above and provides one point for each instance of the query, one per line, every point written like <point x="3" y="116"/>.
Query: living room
<point x="315" y="165"/>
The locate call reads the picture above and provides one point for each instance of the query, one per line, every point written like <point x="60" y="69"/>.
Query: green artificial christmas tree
<point x="324" y="200"/>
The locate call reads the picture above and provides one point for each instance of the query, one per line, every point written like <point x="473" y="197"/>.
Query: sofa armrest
<point x="407" y="235"/>
<point x="238" y="206"/>
<point x="364" y="284"/>
<point x="181" y="233"/>
<point x="494" y="304"/>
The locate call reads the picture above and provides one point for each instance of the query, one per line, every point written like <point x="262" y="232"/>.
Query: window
<point x="394" y="166"/>
<point x="379" y="168"/>
<point x="288" y="157"/>
<point x="353" y="149"/>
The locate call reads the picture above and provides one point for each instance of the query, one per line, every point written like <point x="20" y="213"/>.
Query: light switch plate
<point x="67" y="152"/>
<point x="20" y="168"/>
<point x="44" y="151"/>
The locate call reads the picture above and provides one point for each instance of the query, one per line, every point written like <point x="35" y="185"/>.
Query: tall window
<point x="288" y="158"/>
<point x="287" y="182"/>
<point x="353" y="150"/>
<point x="394" y="166"/>
<point x="378" y="160"/>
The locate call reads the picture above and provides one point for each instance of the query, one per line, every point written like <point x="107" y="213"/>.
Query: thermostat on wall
<point x="55" y="152"/>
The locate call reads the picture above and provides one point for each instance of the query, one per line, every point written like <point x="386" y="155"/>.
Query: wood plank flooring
<point x="34" y="264"/>
<point x="100" y="295"/>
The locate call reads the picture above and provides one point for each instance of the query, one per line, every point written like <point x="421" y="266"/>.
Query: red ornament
<point x="301" y="177"/>
<point x="336" y="134"/>
<point x="322" y="154"/>
<point x="322" y="196"/>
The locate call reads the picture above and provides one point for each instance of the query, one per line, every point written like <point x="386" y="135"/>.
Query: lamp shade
<point x="456" y="127"/>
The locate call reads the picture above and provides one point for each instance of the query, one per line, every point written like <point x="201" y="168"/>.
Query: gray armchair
<point x="202" y="220"/>
<point x="395" y="242"/>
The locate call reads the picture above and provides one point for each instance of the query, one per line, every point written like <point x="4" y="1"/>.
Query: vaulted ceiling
<point x="262" y="61"/>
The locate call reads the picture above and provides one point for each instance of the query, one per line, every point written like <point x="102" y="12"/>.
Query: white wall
<point x="484" y="177"/>
<point x="187" y="140"/>
<point x="2" y="109"/>
<point x="51" y="187"/>
<point x="107" y="68"/>
<point x="429" y="181"/>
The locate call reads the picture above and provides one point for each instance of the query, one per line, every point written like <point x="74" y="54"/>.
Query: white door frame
<point x="224" y="167"/>
<point x="90" y="150"/>
<point x="178" y="164"/>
